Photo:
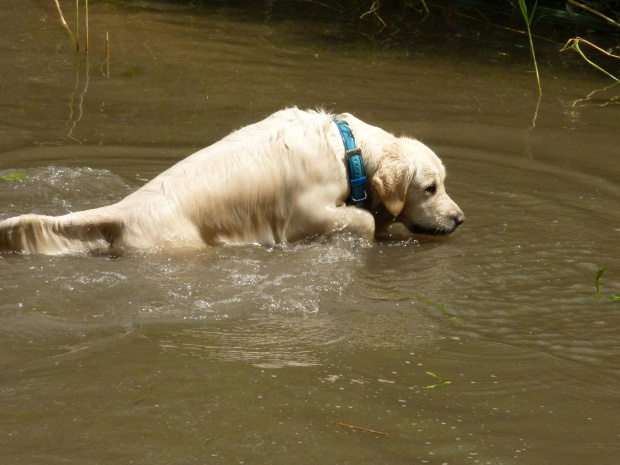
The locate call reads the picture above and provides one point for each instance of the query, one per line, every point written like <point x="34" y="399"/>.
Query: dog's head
<point x="409" y="180"/>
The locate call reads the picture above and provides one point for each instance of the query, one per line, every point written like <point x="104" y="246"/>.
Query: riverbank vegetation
<point x="570" y="33"/>
<point x="551" y="25"/>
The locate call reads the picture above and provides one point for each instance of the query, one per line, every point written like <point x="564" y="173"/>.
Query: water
<point x="490" y="346"/>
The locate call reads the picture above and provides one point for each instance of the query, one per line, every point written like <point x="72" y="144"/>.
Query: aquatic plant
<point x="107" y="55"/>
<point x="528" y="21"/>
<point x="593" y="11"/>
<point x="574" y="44"/>
<point x="443" y="382"/>
<point x="77" y="26"/>
<point x="598" y="276"/>
<point x="75" y="38"/>
<point x="13" y="177"/>
<point x="86" y="20"/>
<point x="436" y="305"/>
<point x="553" y="18"/>
<point x="62" y="20"/>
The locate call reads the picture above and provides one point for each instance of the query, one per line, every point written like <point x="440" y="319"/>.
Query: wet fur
<point x="276" y="181"/>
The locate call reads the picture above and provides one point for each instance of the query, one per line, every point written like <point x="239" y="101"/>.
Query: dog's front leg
<point x="355" y="221"/>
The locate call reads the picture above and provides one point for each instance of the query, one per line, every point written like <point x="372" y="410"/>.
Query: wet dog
<point x="277" y="181"/>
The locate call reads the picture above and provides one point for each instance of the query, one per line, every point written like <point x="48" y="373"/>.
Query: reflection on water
<point x="248" y="354"/>
<point x="76" y="104"/>
<point x="599" y="97"/>
<point x="269" y="344"/>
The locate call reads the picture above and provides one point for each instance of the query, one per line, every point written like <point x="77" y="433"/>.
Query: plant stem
<point x="62" y="20"/>
<point x="600" y="272"/>
<point x="428" y="12"/>
<point x="107" y="54"/>
<point x="594" y="12"/>
<point x="528" y="20"/>
<point x="529" y="34"/>
<point x="86" y="27"/>
<point x="574" y="44"/>
<point x="77" y="26"/>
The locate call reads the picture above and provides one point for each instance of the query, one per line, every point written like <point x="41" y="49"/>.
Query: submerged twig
<point x="107" y="54"/>
<point x="361" y="428"/>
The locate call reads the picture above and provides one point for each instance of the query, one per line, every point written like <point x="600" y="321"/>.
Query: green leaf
<point x="13" y="177"/>
<point x="615" y="297"/>
<point x="523" y="10"/>
<point x="433" y="386"/>
<point x="598" y="276"/>
<point x="532" y="12"/>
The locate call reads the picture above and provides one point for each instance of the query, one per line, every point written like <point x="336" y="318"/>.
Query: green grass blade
<point x="13" y="177"/>
<point x="528" y="21"/>
<point x="532" y="12"/>
<point x="524" y="10"/>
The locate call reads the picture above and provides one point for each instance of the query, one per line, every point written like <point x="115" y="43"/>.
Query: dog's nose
<point x="459" y="218"/>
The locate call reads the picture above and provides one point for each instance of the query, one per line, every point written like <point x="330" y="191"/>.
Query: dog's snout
<point x="459" y="218"/>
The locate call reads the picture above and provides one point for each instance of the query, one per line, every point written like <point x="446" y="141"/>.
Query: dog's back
<point x="238" y="190"/>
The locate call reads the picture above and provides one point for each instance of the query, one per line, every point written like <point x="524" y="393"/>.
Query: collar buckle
<point x="352" y="152"/>
<point x="357" y="201"/>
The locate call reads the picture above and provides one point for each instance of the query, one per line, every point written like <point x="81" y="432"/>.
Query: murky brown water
<point x="249" y="355"/>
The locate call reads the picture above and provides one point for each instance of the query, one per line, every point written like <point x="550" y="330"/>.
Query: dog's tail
<point x="91" y="231"/>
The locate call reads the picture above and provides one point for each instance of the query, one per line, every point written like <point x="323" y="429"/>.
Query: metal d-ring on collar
<point x="357" y="179"/>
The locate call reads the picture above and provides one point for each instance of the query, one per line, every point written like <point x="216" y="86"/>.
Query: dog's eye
<point x="431" y="189"/>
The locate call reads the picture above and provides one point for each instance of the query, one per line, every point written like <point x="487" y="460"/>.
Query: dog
<point x="286" y="178"/>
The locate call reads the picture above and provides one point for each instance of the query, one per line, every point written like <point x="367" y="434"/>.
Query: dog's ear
<point x="392" y="179"/>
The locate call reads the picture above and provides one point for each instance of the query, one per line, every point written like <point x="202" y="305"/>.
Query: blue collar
<point x="357" y="180"/>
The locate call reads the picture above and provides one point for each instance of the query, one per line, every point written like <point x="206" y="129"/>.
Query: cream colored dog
<point x="277" y="181"/>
